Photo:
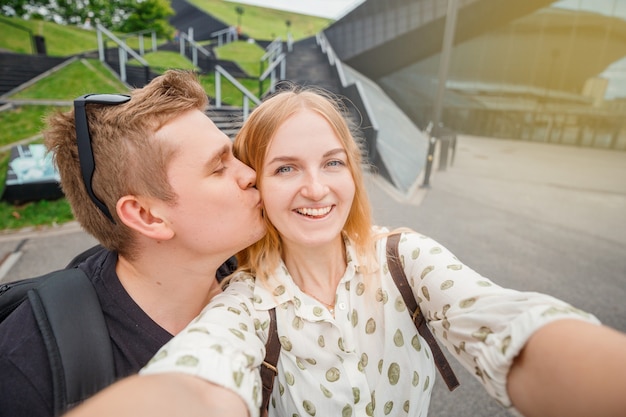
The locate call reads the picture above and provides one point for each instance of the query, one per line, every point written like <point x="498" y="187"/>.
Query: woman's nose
<point x="314" y="188"/>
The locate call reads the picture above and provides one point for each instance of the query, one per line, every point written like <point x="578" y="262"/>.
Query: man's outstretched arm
<point x="162" y="395"/>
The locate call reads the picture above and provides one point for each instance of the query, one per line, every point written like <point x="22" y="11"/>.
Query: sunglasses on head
<point x="83" y="140"/>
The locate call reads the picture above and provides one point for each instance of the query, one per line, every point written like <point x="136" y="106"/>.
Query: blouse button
<point x="342" y="306"/>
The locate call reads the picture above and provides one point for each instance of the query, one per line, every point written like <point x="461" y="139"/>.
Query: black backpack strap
<point x="397" y="272"/>
<point x="70" y="318"/>
<point x="76" y="260"/>
<point x="12" y="294"/>
<point x="269" y="368"/>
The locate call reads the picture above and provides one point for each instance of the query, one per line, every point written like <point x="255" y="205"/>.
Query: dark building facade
<point x="534" y="70"/>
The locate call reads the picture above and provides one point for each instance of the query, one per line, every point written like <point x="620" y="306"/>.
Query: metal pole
<point x="218" y="89"/>
<point x="429" y="158"/>
<point x="444" y="63"/>
<point x="101" y="46"/>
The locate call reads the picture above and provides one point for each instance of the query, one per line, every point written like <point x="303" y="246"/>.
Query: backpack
<point x="76" y="338"/>
<point x="269" y="368"/>
<point x="78" y="344"/>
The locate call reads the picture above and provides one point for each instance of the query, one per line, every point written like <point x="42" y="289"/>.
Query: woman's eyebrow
<point x="335" y="152"/>
<point x="332" y="152"/>
<point x="282" y="159"/>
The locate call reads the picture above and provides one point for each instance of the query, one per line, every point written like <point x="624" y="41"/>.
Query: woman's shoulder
<point x="383" y="232"/>
<point x="409" y="238"/>
<point x="238" y="280"/>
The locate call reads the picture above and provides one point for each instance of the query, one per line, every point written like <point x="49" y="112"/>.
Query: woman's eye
<point x="283" y="170"/>
<point x="335" y="163"/>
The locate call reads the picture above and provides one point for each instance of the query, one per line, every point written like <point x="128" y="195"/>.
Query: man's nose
<point x="247" y="177"/>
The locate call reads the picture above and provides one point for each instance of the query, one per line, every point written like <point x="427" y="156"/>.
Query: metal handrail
<point x="30" y="32"/>
<point x="195" y="47"/>
<point x="271" y="71"/>
<point x="123" y="51"/>
<point x="230" y="32"/>
<point x="139" y="35"/>
<point x="333" y="60"/>
<point x="247" y="95"/>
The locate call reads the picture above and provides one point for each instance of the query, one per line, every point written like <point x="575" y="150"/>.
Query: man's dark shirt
<point x="25" y="375"/>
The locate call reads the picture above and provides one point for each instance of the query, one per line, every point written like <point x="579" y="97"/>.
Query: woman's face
<point x="307" y="187"/>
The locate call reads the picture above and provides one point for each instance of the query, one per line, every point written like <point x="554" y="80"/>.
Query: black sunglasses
<point x="83" y="140"/>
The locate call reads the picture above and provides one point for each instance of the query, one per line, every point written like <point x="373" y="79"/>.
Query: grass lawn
<point x="163" y="60"/>
<point x="77" y="78"/>
<point x="21" y="123"/>
<point x="262" y="23"/>
<point x="247" y="55"/>
<point x="60" y="40"/>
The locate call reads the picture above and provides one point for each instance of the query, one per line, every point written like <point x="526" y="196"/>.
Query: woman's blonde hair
<point x="251" y="145"/>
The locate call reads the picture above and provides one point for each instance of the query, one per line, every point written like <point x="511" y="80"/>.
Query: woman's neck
<point x="317" y="271"/>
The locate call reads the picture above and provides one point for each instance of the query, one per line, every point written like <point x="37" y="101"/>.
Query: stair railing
<point x="225" y="36"/>
<point x="354" y="91"/>
<point x="31" y="35"/>
<point x="279" y="64"/>
<point x="275" y="71"/>
<point x="276" y="61"/>
<point x="140" y="37"/>
<point x="247" y="95"/>
<point x="195" y="47"/>
<point x="123" y="52"/>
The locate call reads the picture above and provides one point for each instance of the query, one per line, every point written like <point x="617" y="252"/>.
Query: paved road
<point x="530" y="216"/>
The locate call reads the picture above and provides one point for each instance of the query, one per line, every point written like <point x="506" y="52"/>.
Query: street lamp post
<point x="444" y="63"/>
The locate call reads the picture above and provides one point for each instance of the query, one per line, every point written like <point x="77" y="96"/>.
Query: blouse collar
<point x="281" y="291"/>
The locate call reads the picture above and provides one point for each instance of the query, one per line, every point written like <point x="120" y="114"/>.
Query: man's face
<point x="218" y="210"/>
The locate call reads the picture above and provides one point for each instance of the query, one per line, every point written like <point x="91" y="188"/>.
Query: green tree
<point x="120" y="15"/>
<point x="17" y="7"/>
<point x="150" y="14"/>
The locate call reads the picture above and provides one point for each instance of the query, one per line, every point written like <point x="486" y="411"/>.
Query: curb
<point x="35" y="232"/>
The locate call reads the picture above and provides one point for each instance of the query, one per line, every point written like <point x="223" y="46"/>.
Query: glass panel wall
<point x="556" y="73"/>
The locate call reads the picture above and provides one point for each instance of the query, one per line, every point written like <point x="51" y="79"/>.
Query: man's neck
<point x="170" y="293"/>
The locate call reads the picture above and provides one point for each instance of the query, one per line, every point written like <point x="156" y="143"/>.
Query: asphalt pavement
<point x="530" y="216"/>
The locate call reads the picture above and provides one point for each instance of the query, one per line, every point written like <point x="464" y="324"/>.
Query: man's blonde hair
<point x="128" y="159"/>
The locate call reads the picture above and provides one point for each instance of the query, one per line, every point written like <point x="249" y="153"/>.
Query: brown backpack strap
<point x="268" y="368"/>
<point x="397" y="272"/>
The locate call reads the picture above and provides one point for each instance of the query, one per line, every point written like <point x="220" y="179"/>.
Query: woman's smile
<point x="314" y="212"/>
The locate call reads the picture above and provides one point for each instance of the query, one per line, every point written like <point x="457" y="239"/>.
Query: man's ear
<point x="140" y="214"/>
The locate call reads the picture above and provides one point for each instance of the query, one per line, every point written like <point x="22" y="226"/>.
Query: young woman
<point x="348" y="345"/>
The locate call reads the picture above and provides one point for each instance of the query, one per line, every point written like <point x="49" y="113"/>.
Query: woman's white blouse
<point x="369" y="359"/>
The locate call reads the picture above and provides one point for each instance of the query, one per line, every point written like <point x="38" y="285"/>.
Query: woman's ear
<point x="141" y="215"/>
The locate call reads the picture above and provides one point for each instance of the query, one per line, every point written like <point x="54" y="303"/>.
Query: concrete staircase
<point x="187" y="15"/>
<point x="16" y="69"/>
<point x="227" y="118"/>
<point x="308" y="65"/>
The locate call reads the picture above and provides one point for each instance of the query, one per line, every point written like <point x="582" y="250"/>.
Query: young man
<point x="155" y="181"/>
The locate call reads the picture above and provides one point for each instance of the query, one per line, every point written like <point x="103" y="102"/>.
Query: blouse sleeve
<point x="483" y="325"/>
<point x="220" y="346"/>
